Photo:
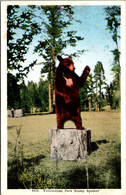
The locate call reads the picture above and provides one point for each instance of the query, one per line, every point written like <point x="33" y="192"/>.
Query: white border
<point x="123" y="97"/>
<point x="4" y="4"/>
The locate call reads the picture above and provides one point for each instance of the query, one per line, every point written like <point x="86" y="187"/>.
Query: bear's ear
<point x="60" y="58"/>
<point x="70" y="57"/>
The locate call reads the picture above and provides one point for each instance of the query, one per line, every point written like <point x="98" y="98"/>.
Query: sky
<point x="97" y="41"/>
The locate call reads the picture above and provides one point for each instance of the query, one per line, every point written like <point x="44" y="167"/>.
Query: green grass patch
<point x="29" y="164"/>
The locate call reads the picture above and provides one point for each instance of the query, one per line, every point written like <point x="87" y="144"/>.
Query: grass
<point x="30" y="167"/>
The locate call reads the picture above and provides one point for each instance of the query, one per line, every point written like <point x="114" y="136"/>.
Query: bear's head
<point x="66" y="63"/>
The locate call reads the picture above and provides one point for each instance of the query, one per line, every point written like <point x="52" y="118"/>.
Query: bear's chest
<point x="70" y="80"/>
<point x="70" y="84"/>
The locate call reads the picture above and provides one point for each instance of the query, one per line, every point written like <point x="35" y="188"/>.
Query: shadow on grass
<point x="96" y="178"/>
<point x="106" y="176"/>
<point x="17" y="167"/>
<point x="10" y="127"/>
<point x="92" y="177"/>
<point x="38" y="113"/>
<point x="33" y="160"/>
<point x="95" y="145"/>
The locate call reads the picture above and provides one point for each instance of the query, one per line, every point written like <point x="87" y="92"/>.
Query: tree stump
<point x="18" y="113"/>
<point x="69" y="144"/>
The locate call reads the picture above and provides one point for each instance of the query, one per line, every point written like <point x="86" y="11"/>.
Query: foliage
<point x="34" y="96"/>
<point x="50" y="24"/>
<point x="86" y="91"/>
<point x="16" y="164"/>
<point x="42" y="90"/>
<point x="113" y="25"/>
<point x="37" y="180"/>
<point x="83" y="96"/>
<point x="25" y="98"/>
<point x="20" y="32"/>
<point x="106" y="176"/>
<point x="13" y="92"/>
<point x="113" y="21"/>
<point x="99" y="81"/>
<point x="55" y="36"/>
<point x="94" y="89"/>
<point x="113" y="95"/>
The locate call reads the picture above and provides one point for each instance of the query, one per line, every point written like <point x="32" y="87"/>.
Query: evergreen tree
<point x="113" y="96"/>
<point x="99" y="80"/>
<point x="113" y="25"/>
<point x="13" y="92"/>
<point x="42" y="91"/>
<point x="91" y="88"/>
<point x="32" y="95"/>
<point x="87" y="93"/>
<point x="83" y="92"/>
<point x="25" y="98"/>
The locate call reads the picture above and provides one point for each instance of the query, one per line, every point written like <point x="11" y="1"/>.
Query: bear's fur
<point x="67" y="100"/>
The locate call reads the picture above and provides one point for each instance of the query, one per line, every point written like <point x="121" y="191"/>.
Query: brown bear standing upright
<point x="67" y="100"/>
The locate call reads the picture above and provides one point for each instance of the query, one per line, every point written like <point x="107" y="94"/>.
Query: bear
<point x="66" y="87"/>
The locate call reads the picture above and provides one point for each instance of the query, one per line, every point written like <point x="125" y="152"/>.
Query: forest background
<point x="47" y="31"/>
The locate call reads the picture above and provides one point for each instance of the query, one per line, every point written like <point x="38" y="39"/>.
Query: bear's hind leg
<point x="60" y="121"/>
<point x="77" y="120"/>
<point x="78" y="124"/>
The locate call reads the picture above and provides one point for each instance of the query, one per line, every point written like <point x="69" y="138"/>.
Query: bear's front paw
<point x="67" y="101"/>
<point x="87" y="69"/>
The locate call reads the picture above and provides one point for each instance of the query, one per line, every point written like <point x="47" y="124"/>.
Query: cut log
<point x="10" y="113"/>
<point x="69" y="144"/>
<point x="18" y="113"/>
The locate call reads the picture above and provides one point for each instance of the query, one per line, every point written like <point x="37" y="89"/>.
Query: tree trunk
<point x="84" y="106"/>
<point x="96" y="106"/>
<point x="50" y="97"/>
<point x="89" y="104"/>
<point x="53" y="65"/>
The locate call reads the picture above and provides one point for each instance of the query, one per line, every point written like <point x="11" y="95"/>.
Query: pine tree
<point x="99" y="80"/>
<point x="113" y="25"/>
